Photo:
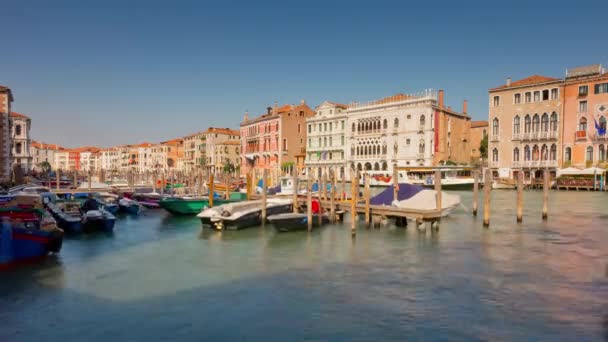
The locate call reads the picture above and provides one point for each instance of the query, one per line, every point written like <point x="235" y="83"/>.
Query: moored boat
<point x="70" y="218"/>
<point x="187" y="205"/>
<point x="27" y="234"/>
<point x="504" y="183"/>
<point x="129" y="206"/>
<point x="426" y="200"/>
<point x="234" y="216"/>
<point x="289" y="222"/>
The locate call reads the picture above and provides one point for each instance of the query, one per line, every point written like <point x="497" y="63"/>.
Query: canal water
<point x="163" y="278"/>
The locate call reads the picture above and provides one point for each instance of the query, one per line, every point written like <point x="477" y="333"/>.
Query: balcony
<point x="548" y="163"/>
<point x="553" y="134"/>
<point x="420" y="128"/>
<point x="525" y="136"/>
<point x="534" y="136"/>
<point x="516" y="136"/>
<point x="495" y="138"/>
<point x="580" y="135"/>
<point x="516" y="164"/>
<point x="543" y="135"/>
<point x="420" y="156"/>
<point x="493" y="163"/>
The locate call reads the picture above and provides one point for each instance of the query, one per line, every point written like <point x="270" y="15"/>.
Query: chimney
<point x="302" y="102"/>
<point x="508" y="81"/>
<point x="464" y="106"/>
<point x="440" y="98"/>
<point x="268" y="110"/>
<point x="246" y="117"/>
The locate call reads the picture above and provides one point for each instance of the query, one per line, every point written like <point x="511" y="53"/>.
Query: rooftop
<point x="528" y="81"/>
<point x="230" y="142"/>
<point x="475" y="124"/>
<point x="587" y="70"/>
<point x="19" y="115"/>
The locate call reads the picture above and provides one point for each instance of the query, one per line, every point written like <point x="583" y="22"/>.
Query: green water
<point x="160" y="277"/>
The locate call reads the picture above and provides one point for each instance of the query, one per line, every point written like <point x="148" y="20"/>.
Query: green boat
<point x="188" y="205"/>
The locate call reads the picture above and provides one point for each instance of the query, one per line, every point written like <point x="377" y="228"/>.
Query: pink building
<point x="260" y="141"/>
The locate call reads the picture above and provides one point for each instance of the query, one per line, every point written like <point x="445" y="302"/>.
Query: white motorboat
<point x="427" y="200"/>
<point x="239" y="215"/>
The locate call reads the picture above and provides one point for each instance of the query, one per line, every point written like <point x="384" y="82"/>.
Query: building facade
<point x="585" y="114"/>
<point x="524" y="118"/>
<point x="326" y="139"/>
<point x="42" y="152"/>
<point x="406" y="130"/>
<point x="479" y="130"/>
<point x="227" y="156"/>
<point x="21" y="141"/>
<point x="6" y="100"/>
<point x="275" y="139"/>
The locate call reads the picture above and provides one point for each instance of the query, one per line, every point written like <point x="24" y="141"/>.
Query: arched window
<point x="352" y="150"/>
<point x="396" y="123"/>
<point x="385" y="125"/>
<point x="18" y="130"/>
<point x="553" y="122"/>
<point x="422" y="121"/>
<point x="603" y="124"/>
<point x="535" y="153"/>
<point x="589" y="153"/>
<point x="544" y="123"/>
<point x="544" y="152"/>
<point x="421" y="147"/>
<point x="553" y="152"/>
<point x="582" y="124"/>
<point x="376" y="166"/>
<point x="535" y="123"/>
<point x="495" y="127"/>
<point x="527" y="122"/>
<point x="495" y="155"/>
<point x="384" y="149"/>
<point x="353" y="127"/>
<point x="358" y="150"/>
<point x="516" y="124"/>
<point x="516" y="154"/>
<point x="568" y="154"/>
<point x="368" y="166"/>
<point x="384" y="166"/>
<point x="359" y="167"/>
<point x="18" y="147"/>
<point x="602" y="153"/>
<point x="527" y="152"/>
<point x="395" y="148"/>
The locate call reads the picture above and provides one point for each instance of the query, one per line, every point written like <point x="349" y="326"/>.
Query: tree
<point x="229" y="167"/>
<point x="483" y="147"/>
<point x="45" y="166"/>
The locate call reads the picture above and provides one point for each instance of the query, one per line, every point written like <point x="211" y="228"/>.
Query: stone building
<point x="227" y="153"/>
<point x="326" y="139"/>
<point x="21" y="141"/>
<point x="6" y="99"/>
<point x="524" y="118"/>
<point x="406" y="130"/>
<point x="42" y="152"/>
<point x="585" y="114"/>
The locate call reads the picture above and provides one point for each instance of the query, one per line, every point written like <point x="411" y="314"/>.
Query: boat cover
<point x="405" y="191"/>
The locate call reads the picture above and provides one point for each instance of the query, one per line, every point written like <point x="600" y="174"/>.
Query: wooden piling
<point x="211" y="190"/>
<point x="520" y="196"/>
<point x="321" y="194"/>
<point x="546" y="184"/>
<point x="308" y="201"/>
<point x="438" y="194"/>
<point x="343" y="188"/>
<point x="475" y="191"/>
<point x="264" y="194"/>
<point x="227" y="183"/>
<point x="90" y="176"/>
<point x="395" y="183"/>
<point x="354" y="182"/>
<point x="366" y="196"/>
<point x="248" y="185"/>
<point x="296" y="185"/>
<point x="487" y="187"/>
<point x="332" y="202"/>
<point x="75" y="184"/>
<point x="162" y="183"/>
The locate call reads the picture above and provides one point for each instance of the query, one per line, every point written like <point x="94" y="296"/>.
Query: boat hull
<point x="296" y="223"/>
<point x="188" y="207"/>
<point x="451" y="186"/>
<point x="105" y="225"/>
<point x="250" y="219"/>
<point x="132" y="209"/>
<point x="23" y="244"/>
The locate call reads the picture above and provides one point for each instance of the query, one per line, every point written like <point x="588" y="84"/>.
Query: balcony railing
<point x="525" y="136"/>
<point x="516" y="136"/>
<point x="543" y="135"/>
<point x="495" y="138"/>
<point x="580" y="135"/>
<point x="534" y="136"/>
<point x="516" y="164"/>
<point x="553" y="134"/>
<point x="493" y="163"/>
<point x="420" y="156"/>
<point x="548" y="163"/>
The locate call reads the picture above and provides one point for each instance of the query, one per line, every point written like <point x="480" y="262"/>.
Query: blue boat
<point x="70" y="218"/>
<point x="129" y="206"/>
<point x="27" y="234"/>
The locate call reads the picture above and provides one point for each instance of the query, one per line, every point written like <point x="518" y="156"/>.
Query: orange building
<point x="585" y="114"/>
<point x="479" y="130"/>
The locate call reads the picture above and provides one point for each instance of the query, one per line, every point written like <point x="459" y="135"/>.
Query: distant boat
<point x="70" y="218"/>
<point x="404" y="191"/>
<point x="27" y="234"/>
<point x="129" y="206"/>
<point x="149" y="200"/>
<point x="234" y="216"/>
<point x="504" y="183"/>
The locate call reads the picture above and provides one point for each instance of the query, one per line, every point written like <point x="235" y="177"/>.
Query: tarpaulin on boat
<point x="405" y="191"/>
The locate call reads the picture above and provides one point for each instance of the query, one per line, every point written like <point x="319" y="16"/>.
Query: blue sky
<point x="131" y="71"/>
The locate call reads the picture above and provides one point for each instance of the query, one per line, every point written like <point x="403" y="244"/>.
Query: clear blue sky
<point x="131" y="71"/>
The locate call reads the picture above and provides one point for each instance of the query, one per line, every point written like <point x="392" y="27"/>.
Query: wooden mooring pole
<point x="332" y="202"/>
<point x="308" y="200"/>
<point x="366" y="194"/>
<point x="90" y="176"/>
<point x="296" y="186"/>
<point x="520" y="196"/>
<point x="487" y="187"/>
<point x="438" y="198"/>
<point x="57" y="178"/>
<point x="475" y="192"/>
<point x="546" y="184"/>
<point x="354" y="182"/>
<point x="264" y="194"/>
<point x="395" y="183"/>
<point x="211" y="190"/>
